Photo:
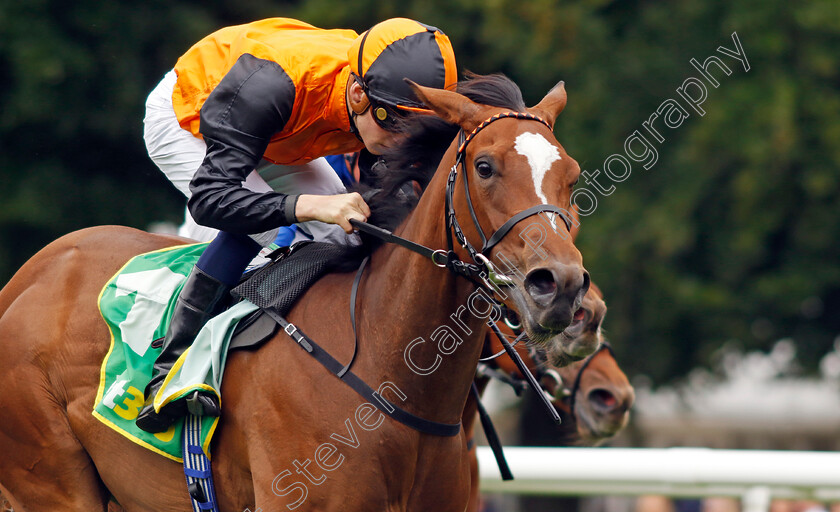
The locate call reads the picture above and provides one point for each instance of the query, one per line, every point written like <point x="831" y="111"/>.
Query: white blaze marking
<point x="540" y="154"/>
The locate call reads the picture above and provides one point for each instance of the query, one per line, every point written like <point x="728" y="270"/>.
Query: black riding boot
<point x="201" y="298"/>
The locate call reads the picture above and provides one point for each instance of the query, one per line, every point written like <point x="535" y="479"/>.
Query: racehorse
<point x="281" y="409"/>
<point x="593" y="396"/>
<point x="601" y="391"/>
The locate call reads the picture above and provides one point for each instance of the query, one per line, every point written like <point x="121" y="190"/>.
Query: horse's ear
<point x="553" y="103"/>
<point x="449" y="106"/>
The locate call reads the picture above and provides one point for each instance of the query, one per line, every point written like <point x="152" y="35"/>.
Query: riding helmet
<point x="395" y="49"/>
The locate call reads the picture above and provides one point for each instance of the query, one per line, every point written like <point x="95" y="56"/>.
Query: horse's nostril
<point x="586" y="282"/>
<point x="603" y="399"/>
<point x="540" y="285"/>
<point x="584" y="288"/>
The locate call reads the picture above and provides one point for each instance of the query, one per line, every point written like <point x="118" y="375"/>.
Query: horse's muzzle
<point x="555" y="293"/>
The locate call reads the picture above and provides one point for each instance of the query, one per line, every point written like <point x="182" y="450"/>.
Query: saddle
<point x="281" y="282"/>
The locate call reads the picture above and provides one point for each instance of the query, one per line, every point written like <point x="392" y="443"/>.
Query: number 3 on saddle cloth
<point x="137" y="304"/>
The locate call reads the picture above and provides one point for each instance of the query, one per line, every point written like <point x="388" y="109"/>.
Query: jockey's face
<point x="377" y="140"/>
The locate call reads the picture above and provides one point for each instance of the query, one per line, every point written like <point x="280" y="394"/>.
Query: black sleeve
<point x="251" y="103"/>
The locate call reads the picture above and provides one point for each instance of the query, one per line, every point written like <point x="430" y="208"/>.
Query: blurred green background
<point x="731" y="237"/>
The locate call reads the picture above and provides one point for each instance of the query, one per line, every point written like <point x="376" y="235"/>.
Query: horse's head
<point x="600" y="397"/>
<point x="514" y="207"/>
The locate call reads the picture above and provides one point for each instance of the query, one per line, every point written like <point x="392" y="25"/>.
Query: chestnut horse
<point x="593" y="396"/>
<point x="603" y="395"/>
<point x="281" y="409"/>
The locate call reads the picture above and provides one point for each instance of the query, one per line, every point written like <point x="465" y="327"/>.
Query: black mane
<point x="394" y="194"/>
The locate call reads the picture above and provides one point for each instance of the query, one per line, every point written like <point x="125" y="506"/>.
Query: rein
<point x="518" y="383"/>
<point x="481" y="268"/>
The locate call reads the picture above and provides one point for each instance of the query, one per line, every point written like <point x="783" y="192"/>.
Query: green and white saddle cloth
<point x="137" y="304"/>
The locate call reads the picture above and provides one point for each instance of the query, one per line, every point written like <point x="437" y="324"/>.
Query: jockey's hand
<point x="336" y="209"/>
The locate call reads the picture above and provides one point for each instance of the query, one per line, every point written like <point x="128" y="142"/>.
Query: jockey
<point x="239" y="125"/>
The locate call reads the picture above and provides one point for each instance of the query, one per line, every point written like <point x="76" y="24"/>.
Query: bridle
<point x="480" y="257"/>
<point x="572" y="393"/>
<point x="481" y="269"/>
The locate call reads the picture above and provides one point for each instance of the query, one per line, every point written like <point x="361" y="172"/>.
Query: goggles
<point x="389" y="117"/>
<point x="386" y="116"/>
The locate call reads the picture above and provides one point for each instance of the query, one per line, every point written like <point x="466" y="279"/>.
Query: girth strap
<point x="197" y="468"/>
<point x="359" y="386"/>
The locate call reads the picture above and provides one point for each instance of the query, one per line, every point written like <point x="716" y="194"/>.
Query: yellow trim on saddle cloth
<point x="136" y="440"/>
<point x="182" y="392"/>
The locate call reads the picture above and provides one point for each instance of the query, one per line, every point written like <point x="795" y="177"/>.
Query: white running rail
<point x="755" y="476"/>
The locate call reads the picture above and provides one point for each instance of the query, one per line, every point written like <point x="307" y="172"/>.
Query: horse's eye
<point x="484" y="169"/>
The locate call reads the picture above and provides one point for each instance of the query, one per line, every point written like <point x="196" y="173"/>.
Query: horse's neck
<point x="417" y="300"/>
